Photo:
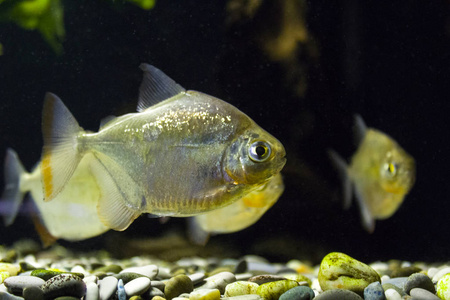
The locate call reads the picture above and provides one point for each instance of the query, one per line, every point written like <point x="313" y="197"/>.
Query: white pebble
<point x="384" y="278"/>
<point x="432" y="271"/>
<point x="137" y="286"/>
<point x="79" y="269"/>
<point x="419" y="293"/>
<point x="392" y="294"/>
<point x="440" y="273"/>
<point x="197" y="277"/>
<point x="150" y="271"/>
<point x="90" y="278"/>
<point x="107" y="288"/>
<point x="92" y="292"/>
<point x="243" y="276"/>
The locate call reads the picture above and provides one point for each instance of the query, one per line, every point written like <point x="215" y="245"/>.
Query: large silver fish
<point x="183" y="153"/>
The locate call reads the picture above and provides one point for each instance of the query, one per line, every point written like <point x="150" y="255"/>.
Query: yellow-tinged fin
<point x="156" y="87"/>
<point x="46" y="237"/>
<point x="113" y="208"/>
<point x="255" y="199"/>
<point x="12" y="195"/>
<point x="60" y="155"/>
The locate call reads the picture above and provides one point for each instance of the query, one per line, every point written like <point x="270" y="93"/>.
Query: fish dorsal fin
<point x="156" y="87"/>
<point x="342" y="169"/>
<point x="359" y="128"/>
<point x="106" y="120"/>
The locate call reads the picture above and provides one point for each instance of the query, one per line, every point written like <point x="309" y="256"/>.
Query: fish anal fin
<point x="342" y="169"/>
<point x="46" y="237"/>
<point x="114" y="209"/>
<point x="156" y="87"/>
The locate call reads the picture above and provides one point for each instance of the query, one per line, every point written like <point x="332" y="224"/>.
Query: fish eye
<point x="259" y="151"/>
<point x="390" y="169"/>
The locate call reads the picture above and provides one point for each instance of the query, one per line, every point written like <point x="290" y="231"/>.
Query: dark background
<point x="388" y="62"/>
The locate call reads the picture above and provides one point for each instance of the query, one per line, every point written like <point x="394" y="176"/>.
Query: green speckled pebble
<point x="205" y="294"/>
<point x="299" y="278"/>
<point x="156" y="298"/>
<point x="273" y="290"/>
<point x="340" y="271"/>
<point x="298" y="293"/>
<point x="178" y="285"/>
<point x="47" y="274"/>
<point x="137" y="298"/>
<point x="108" y="269"/>
<point x="128" y="276"/>
<point x="443" y="287"/>
<point x="240" y="288"/>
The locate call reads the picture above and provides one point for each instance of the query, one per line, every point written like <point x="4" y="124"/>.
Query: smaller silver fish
<point x="238" y="215"/>
<point x="73" y="213"/>
<point x="380" y="172"/>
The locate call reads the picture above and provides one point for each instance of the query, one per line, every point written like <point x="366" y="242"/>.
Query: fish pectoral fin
<point x="342" y="169"/>
<point x="156" y="87"/>
<point x="197" y="235"/>
<point x="367" y="219"/>
<point x="114" y="208"/>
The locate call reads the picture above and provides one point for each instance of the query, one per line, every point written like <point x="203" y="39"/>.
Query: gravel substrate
<point x="61" y="274"/>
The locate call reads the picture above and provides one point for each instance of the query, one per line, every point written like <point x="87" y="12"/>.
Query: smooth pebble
<point x="244" y="297"/>
<point x="64" y="285"/>
<point x="205" y="294"/>
<point x="238" y="288"/>
<point x="178" y="285"/>
<point x="91" y="291"/>
<point x="151" y="271"/>
<point x="419" y="280"/>
<point x="7" y="296"/>
<point x="392" y="294"/>
<point x="107" y="287"/>
<point x="137" y="286"/>
<point x="219" y="281"/>
<point x="443" y="287"/>
<point x="33" y="293"/>
<point x="298" y="293"/>
<point x="273" y="290"/>
<point x="374" y="291"/>
<point x="338" y="294"/>
<point x="338" y="270"/>
<point x="261" y="279"/>
<point x="197" y="277"/>
<point x="421" y="294"/>
<point x="16" y="284"/>
<point x="153" y="292"/>
<point x="440" y="273"/>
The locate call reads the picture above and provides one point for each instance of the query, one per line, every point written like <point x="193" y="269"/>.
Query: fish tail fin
<point x="196" y="234"/>
<point x="342" y="169"/>
<point x="12" y="196"/>
<point x="60" y="154"/>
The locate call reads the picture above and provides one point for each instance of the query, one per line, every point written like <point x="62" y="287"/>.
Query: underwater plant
<point x="45" y="16"/>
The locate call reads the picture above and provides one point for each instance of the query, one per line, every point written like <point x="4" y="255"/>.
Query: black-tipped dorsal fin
<point x="156" y="87"/>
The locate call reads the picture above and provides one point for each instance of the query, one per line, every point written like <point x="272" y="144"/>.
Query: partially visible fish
<point x="380" y="173"/>
<point x="238" y="215"/>
<point x="182" y="154"/>
<point x="73" y="213"/>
